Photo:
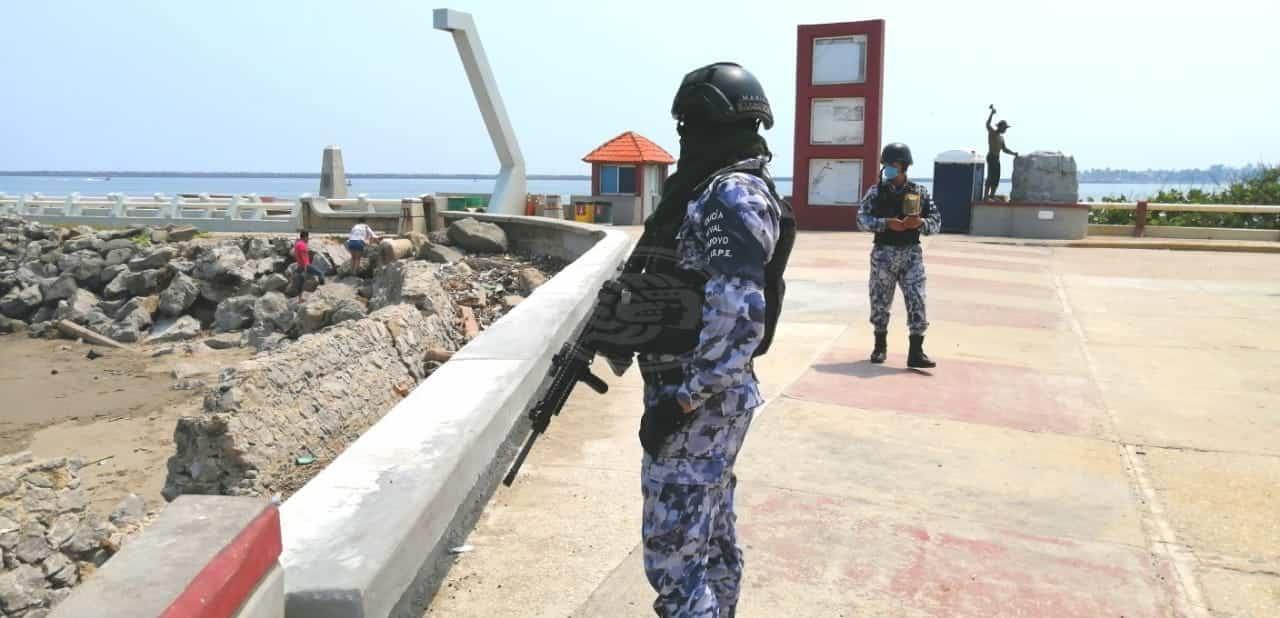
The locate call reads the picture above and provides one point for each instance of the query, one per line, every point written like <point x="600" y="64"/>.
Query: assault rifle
<point x="570" y="366"/>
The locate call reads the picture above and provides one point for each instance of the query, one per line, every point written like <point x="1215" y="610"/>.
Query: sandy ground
<point x="116" y="412"/>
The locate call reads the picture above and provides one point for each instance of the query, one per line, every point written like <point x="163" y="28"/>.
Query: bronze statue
<point x="995" y="144"/>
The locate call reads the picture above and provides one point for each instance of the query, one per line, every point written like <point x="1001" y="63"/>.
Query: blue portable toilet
<point x="957" y="184"/>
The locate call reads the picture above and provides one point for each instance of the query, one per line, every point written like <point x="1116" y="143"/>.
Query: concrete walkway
<point x="1101" y="438"/>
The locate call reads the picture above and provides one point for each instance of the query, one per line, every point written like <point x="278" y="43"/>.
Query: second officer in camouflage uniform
<point x="719" y="220"/>
<point x="898" y="211"/>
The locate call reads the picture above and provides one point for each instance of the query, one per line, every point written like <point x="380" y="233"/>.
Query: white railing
<point x="233" y="214"/>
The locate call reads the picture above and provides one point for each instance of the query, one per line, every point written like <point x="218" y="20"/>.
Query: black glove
<point x="659" y="422"/>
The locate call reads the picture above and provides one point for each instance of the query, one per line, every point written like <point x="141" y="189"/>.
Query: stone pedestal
<point x="1045" y="177"/>
<point x="333" y="176"/>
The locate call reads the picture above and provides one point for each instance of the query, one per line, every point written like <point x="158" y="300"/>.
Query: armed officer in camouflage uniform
<point x="898" y="210"/>
<point x="722" y="230"/>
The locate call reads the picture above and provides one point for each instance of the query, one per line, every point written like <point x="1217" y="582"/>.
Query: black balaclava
<point x="705" y="148"/>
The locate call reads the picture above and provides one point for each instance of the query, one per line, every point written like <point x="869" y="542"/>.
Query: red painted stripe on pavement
<point x="232" y="575"/>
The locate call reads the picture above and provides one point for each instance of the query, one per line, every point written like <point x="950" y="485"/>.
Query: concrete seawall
<point x="367" y="536"/>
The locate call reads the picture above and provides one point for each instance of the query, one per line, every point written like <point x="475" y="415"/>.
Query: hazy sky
<point x="265" y="85"/>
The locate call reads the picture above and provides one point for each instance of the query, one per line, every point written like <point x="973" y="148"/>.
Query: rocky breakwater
<point x="143" y="285"/>
<point x="273" y="421"/>
<point x="49" y="539"/>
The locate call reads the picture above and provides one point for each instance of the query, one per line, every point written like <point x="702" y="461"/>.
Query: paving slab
<point x="1040" y="483"/>
<point x="975" y="392"/>
<point x="1232" y="593"/>
<point x="816" y="555"/>
<point x="1224" y="506"/>
<point x="1098" y="440"/>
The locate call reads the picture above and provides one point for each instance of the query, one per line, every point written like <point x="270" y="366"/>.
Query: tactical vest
<point x="889" y="205"/>
<point x="678" y="339"/>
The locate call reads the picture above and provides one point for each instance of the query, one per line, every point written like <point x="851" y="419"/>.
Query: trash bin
<point x="584" y="212"/>
<point x="604" y="212"/>
<point x="957" y="184"/>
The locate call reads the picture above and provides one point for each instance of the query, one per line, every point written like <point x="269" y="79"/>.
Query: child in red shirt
<point x="302" y="255"/>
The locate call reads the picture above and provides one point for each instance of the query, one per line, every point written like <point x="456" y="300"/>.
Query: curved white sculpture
<point x="509" y="190"/>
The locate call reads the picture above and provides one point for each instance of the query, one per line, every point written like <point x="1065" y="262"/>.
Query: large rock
<point x="119" y="256"/>
<point x="129" y="326"/>
<point x="180" y="294"/>
<point x="149" y="304"/>
<point x="77" y="308"/>
<point x="263" y="339"/>
<point x="272" y="312"/>
<point x="478" y="236"/>
<point x="132" y="231"/>
<point x="147" y="282"/>
<point x="223" y="263"/>
<point x="332" y="258"/>
<point x="216" y="292"/>
<point x="418" y="240"/>
<point x="10" y="325"/>
<point x="274" y="282"/>
<point x="415" y="283"/>
<point x="21" y="302"/>
<point x="440" y="237"/>
<point x="530" y="279"/>
<point x="266" y="266"/>
<point x="61" y="570"/>
<point x="22" y="588"/>
<point x="62" y="288"/>
<point x="157" y="258"/>
<point x="347" y="309"/>
<point x="441" y="254"/>
<point x="233" y="313"/>
<point x="180" y="329"/>
<point x="1045" y="177"/>
<point x="86" y="243"/>
<point x="85" y="266"/>
<point x="183" y="234"/>
<point x="118" y="284"/>
<point x="309" y="397"/>
<point x="223" y="342"/>
<point x="257" y="248"/>
<point x="119" y="243"/>
<point x="313" y="315"/>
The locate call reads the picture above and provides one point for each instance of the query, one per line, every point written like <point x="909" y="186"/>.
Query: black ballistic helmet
<point x="894" y="153"/>
<point x="721" y="93"/>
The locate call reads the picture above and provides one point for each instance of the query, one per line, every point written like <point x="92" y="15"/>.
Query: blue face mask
<point x="890" y="172"/>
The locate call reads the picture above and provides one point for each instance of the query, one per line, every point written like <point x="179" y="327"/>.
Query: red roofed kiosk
<point x="627" y="172"/>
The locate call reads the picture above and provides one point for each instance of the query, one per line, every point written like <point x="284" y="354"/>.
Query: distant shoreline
<point x="135" y="174"/>
<point x="400" y="175"/>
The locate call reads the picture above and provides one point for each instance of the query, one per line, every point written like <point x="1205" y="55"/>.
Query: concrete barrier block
<point x="204" y="556"/>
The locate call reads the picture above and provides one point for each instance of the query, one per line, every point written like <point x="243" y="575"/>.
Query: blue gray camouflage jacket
<point x="728" y="234"/>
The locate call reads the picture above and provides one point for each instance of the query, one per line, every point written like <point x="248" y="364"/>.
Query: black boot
<point x="882" y="348"/>
<point x="916" y="358"/>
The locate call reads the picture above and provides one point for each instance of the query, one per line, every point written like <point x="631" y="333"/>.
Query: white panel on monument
<point x="835" y="182"/>
<point x="839" y="122"/>
<point x="839" y="60"/>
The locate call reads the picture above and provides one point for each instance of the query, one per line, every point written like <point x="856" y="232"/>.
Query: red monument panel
<point x="839" y="90"/>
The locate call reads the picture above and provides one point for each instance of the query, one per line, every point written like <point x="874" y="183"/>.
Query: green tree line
<point x="1261" y="188"/>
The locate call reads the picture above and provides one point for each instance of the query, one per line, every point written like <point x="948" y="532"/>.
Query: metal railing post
<point x="1140" y="219"/>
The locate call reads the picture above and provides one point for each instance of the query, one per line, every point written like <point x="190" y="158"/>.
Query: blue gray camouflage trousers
<point x="893" y="267"/>
<point x="691" y="553"/>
